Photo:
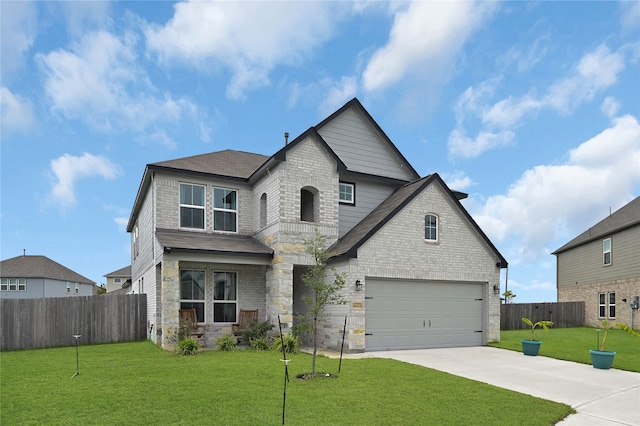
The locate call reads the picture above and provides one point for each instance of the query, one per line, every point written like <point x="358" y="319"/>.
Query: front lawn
<point x="573" y="344"/>
<point x="137" y="383"/>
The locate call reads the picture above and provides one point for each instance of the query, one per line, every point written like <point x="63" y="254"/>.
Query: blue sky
<point x="532" y="108"/>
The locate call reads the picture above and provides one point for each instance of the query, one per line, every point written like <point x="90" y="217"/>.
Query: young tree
<point x="323" y="291"/>
<point x="508" y="296"/>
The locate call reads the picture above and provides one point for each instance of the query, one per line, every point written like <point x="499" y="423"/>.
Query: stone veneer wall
<point x="624" y="289"/>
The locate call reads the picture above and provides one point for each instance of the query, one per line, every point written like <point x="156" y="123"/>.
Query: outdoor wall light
<point x="358" y="285"/>
<point x="496" y="289"/>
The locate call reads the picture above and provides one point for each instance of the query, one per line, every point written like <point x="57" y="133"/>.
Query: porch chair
<point x="246" y="317"/>
<point x="188" y="317"/>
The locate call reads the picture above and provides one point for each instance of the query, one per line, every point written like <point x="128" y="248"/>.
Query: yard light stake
<point x="286" y="369"/>
<point x="344" y="329"/>
<point x="77" y="373"/>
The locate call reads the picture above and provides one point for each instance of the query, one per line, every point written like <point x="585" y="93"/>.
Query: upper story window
<point x="225" y="210"/>
<point x="13" y="284"/>
<point x="606" y="252"/>
<point x="309" y="204"/>
<point x="116" y="280"/>
<point x="68" y="287"/>
<point x="263" y="211"/>
<point x="77" y="288"/>
<point x="135" y="245"/>
<point x="347" y="193"/>
<point x="191" y="206"/>
<point x="431" y="227"/>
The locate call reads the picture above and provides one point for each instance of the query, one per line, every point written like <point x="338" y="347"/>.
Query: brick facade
<point x="589" y="293"/>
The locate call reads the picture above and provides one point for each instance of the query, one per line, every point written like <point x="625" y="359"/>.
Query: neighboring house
<point x="119" y="281"/>
<point x="601" y="267"/>
<point x="225" y="231"/>
<point x="31" y="277"/>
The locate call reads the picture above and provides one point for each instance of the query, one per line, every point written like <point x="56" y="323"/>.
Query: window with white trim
<point x="606" y="252"/>
<point x="612" y="304"/>
<point x="346" y="193"/>
<point x="431" y="227"/>
<point x="602" y="305"/>
<point x="77" y="288"/>
<point x="13" y="284"/>
<point x="191" y="206"/>
<point x="135" y="246"/>
<point x="68" y="287"/>
<point x="225" y="297"/>
<point x="225" y="210"/>
<point x="192" y="291"/>
<point x="116" y="280"/>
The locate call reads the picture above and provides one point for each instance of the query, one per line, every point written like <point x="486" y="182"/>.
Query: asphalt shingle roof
<point x="626" y="216"/>
<point x="37" y="266"/>
<point x="122" y="272"/>
<point x="229" y="163"/>
<point x="238" y="245"/>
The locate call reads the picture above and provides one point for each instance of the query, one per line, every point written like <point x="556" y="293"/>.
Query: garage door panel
<point x="421" y="314"/>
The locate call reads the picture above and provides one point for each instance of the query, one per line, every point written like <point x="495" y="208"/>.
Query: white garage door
<point x="422" y="314"/>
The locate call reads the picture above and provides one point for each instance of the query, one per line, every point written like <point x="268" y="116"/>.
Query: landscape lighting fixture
<point x="358" y="285"/>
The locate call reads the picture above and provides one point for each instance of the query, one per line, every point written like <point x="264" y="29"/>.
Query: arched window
<point x="309" y="205"/>
<point x="263" y="211"/>
<point x="431" y="227"/>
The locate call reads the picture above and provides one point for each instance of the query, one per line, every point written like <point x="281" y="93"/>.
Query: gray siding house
<point x="225" y="231"/>
<point x="601" y="267"/>
<point x="31" y="277"/>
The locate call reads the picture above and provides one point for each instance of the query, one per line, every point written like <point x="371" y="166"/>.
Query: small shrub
<point x="226" y="343"/>
<point x="257" y="330"/>
<point x="261" y="344"/>
<point x="187" y="346"/>
<point x="290" y="342"/>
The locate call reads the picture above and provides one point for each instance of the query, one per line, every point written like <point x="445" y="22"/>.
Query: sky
<point x="532" y="108"/>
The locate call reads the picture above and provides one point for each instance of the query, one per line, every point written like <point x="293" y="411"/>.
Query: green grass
<point x="573" y="344"/>
<point x="137" y="383"/>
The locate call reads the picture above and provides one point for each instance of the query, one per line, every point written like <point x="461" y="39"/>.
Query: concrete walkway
<point x="600" y="397"/>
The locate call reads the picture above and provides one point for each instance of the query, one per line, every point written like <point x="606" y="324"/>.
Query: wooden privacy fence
<point x="563" y="314"/>
<point x="52" y="322"/>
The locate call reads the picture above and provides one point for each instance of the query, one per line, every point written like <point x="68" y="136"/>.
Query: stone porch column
<point x="170" y="296"/>
<point x="280" y="295"/>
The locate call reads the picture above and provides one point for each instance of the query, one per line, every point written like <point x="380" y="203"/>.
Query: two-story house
<point x="119" y="281"/>
<point x="601" y="267"/>
<point x="34" y="276"/>
<point x="225" y="231"/>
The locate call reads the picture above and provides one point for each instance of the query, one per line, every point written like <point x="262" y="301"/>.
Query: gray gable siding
<point x="361" y="148"/>
<point x="368" y="196"/>
<point x="583" y="264"/>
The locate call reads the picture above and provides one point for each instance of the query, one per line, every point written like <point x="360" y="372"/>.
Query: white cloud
<point x="457" y="180"/>
<point x="460" y="145"/>
<point x="121" y="222"/>
<point x="551" y="202"/>
<point x="82" y="16"/>
<point x="249" y="39"/>
<point x="610" y="107"/>
<point x="425" y="38"/>
<point x="99" y="81"/>
<point x="16" y="113"/>
<point x="630" y="17"/>
<point x="595" y="72"/>
<point x="337" y="94"/>
<point x="68" y="169"/>
<point x="18" y="29"/>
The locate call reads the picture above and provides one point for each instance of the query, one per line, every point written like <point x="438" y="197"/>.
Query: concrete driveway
<point x="600" y="397"/>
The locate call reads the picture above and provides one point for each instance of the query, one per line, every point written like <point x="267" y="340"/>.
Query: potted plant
<point x="531" y="347"/>
<point x="601" y="358"/>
